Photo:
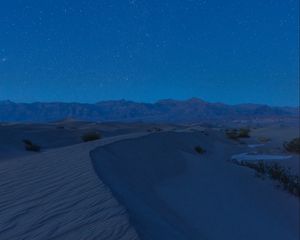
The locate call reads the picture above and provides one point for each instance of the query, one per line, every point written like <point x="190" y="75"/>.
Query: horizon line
<point x="148" y="102"/>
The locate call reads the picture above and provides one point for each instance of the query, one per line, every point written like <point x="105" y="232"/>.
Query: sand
<point x="171" y="192"/>
<point x="139" y="182"/>
<point x="57" y="195"/>
<point x="59" y="134"/>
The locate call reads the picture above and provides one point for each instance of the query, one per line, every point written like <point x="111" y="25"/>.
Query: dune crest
<point x="57" y="195"/>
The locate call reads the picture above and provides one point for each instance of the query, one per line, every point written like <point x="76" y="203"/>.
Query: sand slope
<point x="173" y="193"/>
<point x="57" y="195"/>
<point x="59" y="134"/>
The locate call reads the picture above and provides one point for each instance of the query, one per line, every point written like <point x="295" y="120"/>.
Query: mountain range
<point x="175" y="111"/>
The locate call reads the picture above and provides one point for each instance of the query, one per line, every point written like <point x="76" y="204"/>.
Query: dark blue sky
<point x="88" y="50"/>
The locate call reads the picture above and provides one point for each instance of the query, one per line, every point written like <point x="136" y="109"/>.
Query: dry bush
<point x="29" y="146"/>
<point x="199" y="150"/>
<point x="91" y="136"/>
<point x="289" y="182"/>
<point x="293" y="145"/>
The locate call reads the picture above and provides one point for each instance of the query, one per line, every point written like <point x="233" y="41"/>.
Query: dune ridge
<point x="57" y="195"/>
<point x="171" y="192"/>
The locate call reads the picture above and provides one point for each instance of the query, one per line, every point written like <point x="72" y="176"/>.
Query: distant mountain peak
<point x="192" y="110"/>
<point x="190" y="100"/>
<point x="196" y="100"/>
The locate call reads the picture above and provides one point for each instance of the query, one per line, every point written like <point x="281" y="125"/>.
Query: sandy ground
<point x="60" y="134"/>
<point x="151" y="184"/>
<point x="277" y="136"/>
<point x="57" y="195"/>
<point x="173" y="193"/>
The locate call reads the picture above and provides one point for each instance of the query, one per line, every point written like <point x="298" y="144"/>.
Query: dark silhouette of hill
<point x="168" y="110"/>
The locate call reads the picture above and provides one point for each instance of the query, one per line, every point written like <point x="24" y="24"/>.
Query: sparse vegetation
<point x="244" y="133"/>
<point x="91" y="136"/>
<point x="205" y="133"/>
<point x="237" y="133"/>
<point x="293" y="146"/>
<point x="289" y="182"/>
<point x="232" y="133"/>
<point x="29" y="146"/>
<point x="199" y="150"/>
<point x="264" y="139"/>
<point x="157" y="129"/>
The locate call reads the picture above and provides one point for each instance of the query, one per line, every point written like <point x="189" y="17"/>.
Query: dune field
<point x="142" y="181"/>
<point x="57" y="195"/>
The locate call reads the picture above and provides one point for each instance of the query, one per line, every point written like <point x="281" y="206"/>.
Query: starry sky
<point x="91" y="50"/>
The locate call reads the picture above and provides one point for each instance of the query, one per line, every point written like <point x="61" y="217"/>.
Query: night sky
<point x="91" y="50"/>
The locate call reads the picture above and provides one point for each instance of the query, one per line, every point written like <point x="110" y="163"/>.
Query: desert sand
<point x="171" y="192"/>
<point x="57" y="195"/>
<point x="141" y="181"/>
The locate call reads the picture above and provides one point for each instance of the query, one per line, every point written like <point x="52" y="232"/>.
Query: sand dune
<point x="151" y="184"/>
<point x="59" y="134"/>
<point x="173" y="193"/>
<point x="57" y="195"/>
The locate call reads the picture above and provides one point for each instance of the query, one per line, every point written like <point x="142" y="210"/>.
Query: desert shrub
<point x="293" y="146"/>
<point x="29" y="146"/>
<point x="257" y="166"/>
<point x="157" y="129"/>
<point x="237" y="133"/>
<point x="91" y="136"/>
<point x="199" y="150"/>
<point x="244" y="133"/>
<point x="289" y="182"/>
<point x="293" y="185"/>
<point x="276" y="172"/>
<point x="260" y="167"/>
<point x="264" y="139"/>
<point x="231" y="133"/>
